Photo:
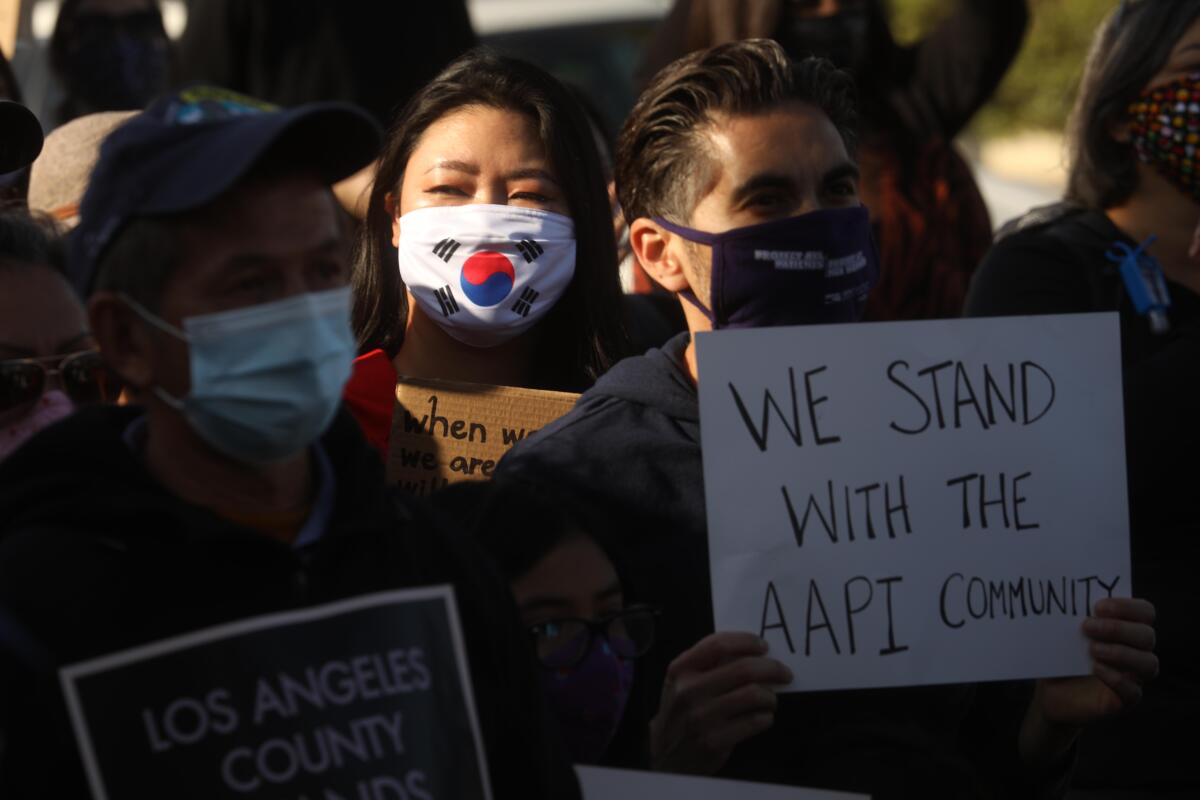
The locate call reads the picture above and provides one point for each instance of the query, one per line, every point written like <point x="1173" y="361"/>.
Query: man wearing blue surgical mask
<point x="216" y="262"/>
<point x="736" y="172"/>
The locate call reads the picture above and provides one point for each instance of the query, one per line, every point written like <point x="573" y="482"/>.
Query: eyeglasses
<point x="563" y="643"/>
<point x="83" y="376"/>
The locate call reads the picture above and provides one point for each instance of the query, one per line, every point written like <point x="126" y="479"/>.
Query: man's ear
<point x="660" y="253"/>
<point x="123" y="339"/>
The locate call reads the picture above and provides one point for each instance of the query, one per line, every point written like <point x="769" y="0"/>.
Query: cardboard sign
<point x="445" y="432"/>
<point x="915" y="503"/>
<point x="600" y="783"/>
<point x="364" y="699"/>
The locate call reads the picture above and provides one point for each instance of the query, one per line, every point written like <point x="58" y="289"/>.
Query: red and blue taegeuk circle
<point x="487" y="278"/>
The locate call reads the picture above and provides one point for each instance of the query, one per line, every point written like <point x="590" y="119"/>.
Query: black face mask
<point x="117" y="63"/>
<point x="843" y="38"/>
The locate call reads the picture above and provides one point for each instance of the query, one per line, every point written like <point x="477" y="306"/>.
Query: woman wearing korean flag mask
<point x="488" y="254"/>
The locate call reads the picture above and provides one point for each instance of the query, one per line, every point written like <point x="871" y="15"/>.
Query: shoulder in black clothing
<point x="96" y="557"/>
<point x="1050" y="261"/>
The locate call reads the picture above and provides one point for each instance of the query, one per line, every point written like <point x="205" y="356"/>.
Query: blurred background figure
<point x="109" y="55"/>
<point x="48" y="361"/>
<point x="376" y="55"/>
<point x="60" y="174"/>
<point x="931" y="222"/>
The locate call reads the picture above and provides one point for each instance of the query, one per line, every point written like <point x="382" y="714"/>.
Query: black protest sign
<point x="363" y="699"/>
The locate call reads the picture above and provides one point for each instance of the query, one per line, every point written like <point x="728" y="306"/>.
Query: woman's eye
<point x="448" y="190"/>
<point x="547" y="630"/>
<point x="844" y="189"/>
<point x="532" y="197"/>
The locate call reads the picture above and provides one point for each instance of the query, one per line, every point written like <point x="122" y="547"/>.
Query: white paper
<point x="822" y="605"/>
<point x="600" y="783"/>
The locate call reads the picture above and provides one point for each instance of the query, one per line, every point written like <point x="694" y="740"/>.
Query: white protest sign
<point x="367" y="698"/>
<point x="600" y="783"/>
<point x="900" y="504"/>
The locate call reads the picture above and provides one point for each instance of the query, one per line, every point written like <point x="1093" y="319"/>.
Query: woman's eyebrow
<point x="455" y="166"/>
<point x="531" y="172"/>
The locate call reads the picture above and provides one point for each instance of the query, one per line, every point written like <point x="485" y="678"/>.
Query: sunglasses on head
<point x="82" y="376"/>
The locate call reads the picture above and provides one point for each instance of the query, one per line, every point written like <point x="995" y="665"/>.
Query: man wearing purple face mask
<point x="736" y="172"/>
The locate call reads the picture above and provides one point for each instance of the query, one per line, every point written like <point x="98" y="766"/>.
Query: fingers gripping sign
<point x="716" y="695"/>
<point x="1121" y="640"/>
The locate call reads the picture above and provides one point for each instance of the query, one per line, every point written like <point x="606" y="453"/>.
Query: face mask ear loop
<point x="165" y="327"/>
<point x="151" y="319"/>
<point x="698" y="237"/>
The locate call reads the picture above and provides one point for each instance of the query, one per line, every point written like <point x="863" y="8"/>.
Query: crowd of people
<point x="201" y="331"/>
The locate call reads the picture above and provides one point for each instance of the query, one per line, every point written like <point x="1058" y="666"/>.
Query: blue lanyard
<point x="1144" y="281"/>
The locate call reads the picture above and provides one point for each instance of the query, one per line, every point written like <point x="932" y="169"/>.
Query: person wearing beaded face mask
<point x="1126" y="239"/>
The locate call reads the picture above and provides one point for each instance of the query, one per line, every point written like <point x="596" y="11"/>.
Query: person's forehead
<point x="38" y="310"/>
<point x="794" y="136"/>
<point x="478" y="132"/>
<point x="268" y="221"/>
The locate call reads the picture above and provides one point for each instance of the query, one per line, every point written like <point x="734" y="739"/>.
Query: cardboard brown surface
<point x="444" y="432"/>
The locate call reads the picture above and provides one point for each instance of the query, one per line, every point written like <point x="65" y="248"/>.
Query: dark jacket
<point x="1054" y="261"/>
<point x="96" y="557"/>
<point x="631" y="447"/>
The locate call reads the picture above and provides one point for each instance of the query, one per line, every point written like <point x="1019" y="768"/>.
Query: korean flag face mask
<point x="486" y="273"/>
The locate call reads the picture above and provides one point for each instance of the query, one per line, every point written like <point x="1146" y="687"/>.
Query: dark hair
<point x="30" y="241"/>
<point x="140" y="260"/>
<point x="662" y="159"/>
<point x="582" y="336"/>
<point x="1132" y="45"/>
<point x="515" y="521"/>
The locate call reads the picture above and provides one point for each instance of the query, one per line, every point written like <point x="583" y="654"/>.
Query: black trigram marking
<point x="530" y="249"/>
<point x="525" y="302"/>
<point x="445" y="249"/>
<point x="446" y="300"/>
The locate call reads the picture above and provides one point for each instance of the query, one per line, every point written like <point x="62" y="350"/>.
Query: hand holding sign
<point x="1122" y="646"/>
<point x="914" y="503"/>
<point x="716" y="695"/>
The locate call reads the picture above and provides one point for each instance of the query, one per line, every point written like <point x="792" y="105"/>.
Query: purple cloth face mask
<point x="817" y="268"/>
<point x="589" y="700"/>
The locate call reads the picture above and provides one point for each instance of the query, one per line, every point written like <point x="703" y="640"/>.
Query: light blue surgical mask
<point x="267" y="379"/>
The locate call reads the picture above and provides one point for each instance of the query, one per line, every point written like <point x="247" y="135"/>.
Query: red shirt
<point x="370" y="396"/>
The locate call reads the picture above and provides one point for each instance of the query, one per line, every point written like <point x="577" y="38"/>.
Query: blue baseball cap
<point x="191" y="146"/>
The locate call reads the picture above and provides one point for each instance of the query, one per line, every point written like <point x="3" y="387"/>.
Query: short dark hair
<point x="1132" y="45"/>
<point x="140" y="260"/>
<point x="29" y="241"/>
<point x="661" y="150"/>
<point x="583" y="334"/>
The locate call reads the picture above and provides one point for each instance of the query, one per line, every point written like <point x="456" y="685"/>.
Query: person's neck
<point x="697" y="323"/>
<point x="430" y="352"/>
<point x="192" y="471"/>
<point x="1157" y="208"/>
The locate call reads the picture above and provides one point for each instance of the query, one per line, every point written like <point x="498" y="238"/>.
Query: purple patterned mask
<point x="589" y="700"/>
<point x="813" y="269"/>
